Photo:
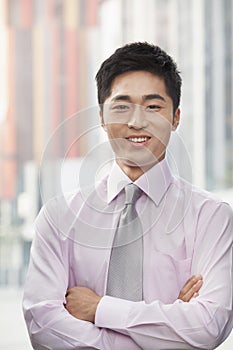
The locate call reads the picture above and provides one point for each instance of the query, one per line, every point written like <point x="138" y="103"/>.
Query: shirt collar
<point x="154" y="182"/>
<point x="117" y="180"/>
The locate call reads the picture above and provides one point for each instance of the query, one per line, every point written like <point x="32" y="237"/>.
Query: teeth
<point x="138" y="139"/>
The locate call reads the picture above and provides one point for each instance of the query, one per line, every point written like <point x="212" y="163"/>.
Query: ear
<point x="176" y="119"/>
<point x="102" y="119"/>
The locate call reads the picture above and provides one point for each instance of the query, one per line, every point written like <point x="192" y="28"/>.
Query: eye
<point x="153" y="107"/>
<point x="121" y="107"/>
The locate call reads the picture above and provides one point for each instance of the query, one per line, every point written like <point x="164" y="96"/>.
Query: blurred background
<point x="50" y="51"/>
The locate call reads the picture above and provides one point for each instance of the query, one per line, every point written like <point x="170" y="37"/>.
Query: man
<point x="85" y="287"/>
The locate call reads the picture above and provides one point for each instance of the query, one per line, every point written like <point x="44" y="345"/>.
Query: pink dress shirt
<point x="186" y="231"/>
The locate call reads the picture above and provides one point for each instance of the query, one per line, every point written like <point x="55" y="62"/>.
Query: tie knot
<point x="132" y="193"/>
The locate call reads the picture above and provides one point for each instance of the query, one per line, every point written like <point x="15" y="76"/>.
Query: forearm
<point x="82" y="303"/>
<point x="176" y="326"/>
<point x="50" y="326"/>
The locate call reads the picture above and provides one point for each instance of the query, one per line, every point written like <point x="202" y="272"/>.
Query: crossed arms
<point x="90" y="320"/>
<point x="82" y="302"/>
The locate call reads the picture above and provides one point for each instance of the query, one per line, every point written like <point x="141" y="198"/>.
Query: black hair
<point x="139" y="56"/>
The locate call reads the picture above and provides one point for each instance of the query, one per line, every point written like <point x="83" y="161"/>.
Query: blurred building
<point x="46" y="77"/>
<point x="50" y="52"/>
<point x="199" y="35"/>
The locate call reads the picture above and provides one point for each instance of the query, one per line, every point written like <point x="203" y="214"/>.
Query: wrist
<point x="98" y="298"/>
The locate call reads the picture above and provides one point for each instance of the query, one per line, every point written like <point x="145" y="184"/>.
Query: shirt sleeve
<point x="205" y="321"/>
<point x="49" y="324"/>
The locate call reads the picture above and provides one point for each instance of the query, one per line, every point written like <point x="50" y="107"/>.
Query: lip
<point x="138" y="144"/>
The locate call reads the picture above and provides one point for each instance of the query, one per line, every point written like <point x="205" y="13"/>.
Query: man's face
<point x="138" y="118"/>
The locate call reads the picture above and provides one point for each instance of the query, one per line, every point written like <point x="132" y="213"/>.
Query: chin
<point x="138" y="163"/>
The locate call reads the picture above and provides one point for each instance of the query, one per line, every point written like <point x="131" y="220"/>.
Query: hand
<point x="81" y="302"/>
<point x="191" y="288"/>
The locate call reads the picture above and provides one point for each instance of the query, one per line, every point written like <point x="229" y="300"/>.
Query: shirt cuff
<point x="112" y="312"/>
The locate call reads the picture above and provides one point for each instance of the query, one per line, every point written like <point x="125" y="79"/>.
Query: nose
<point x="137" y="119"/>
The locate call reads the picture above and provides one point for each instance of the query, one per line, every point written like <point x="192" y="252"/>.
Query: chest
<point x="167" y="250"/>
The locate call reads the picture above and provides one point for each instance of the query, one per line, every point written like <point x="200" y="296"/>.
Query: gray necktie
<point x="126" y="262"/>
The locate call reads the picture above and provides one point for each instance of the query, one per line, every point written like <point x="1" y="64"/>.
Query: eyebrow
<point x="121" y="98"/>
<point x="153" y="97"/>
<point x="145" y="97"/>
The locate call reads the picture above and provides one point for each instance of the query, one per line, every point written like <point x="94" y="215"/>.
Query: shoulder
<point x="64" y="209"/>
<point x="200" y="198"/>
<point x="56" y="212"/>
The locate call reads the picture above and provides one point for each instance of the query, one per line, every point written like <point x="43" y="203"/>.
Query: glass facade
<point x="50" y="53"/>
<point x="52" y="50"/>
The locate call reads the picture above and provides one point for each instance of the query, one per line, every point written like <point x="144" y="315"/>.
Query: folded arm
<point x="82" y="302"/>
<point x="50" y="325"/>
<point x="202" y="323"/>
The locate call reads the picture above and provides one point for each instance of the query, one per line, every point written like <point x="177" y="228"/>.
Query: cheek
<point x="161" y="128"/>
<point x="113" y="130"/>
<point x="118" y="117"/>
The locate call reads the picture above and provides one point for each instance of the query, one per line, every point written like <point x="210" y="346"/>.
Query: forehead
<point x="138" y="83"/>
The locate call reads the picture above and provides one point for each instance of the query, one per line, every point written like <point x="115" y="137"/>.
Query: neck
<point x="134" y="172"/>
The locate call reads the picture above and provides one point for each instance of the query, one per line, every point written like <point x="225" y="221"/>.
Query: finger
<point x="196" y="294"/>
<point x="71" y="290"/>
<point x="194" y="289"/>
<point x="189" y="284"/>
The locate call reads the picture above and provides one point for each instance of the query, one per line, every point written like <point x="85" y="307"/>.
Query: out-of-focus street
<point x="13" y="330"/>
<point x="52" y="140"/>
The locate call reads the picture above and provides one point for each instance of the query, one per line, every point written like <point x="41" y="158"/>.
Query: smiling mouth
<point x="139" y="140"/>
